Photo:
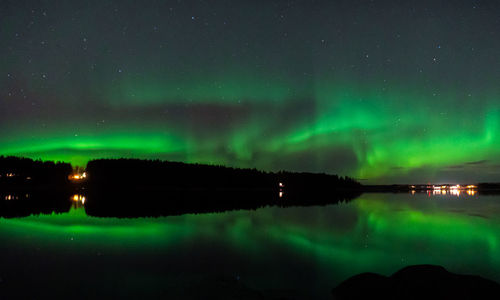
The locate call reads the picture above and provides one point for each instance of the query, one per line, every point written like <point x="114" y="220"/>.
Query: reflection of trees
<point x="131" y="187"/>
<point x="33" y="187"/>
<point x="135" y="203"/>
<point x="24" y="203"/>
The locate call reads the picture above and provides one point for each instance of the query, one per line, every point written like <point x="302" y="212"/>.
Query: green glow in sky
<point x="404" y="98"/>
<point x="383" y="138"/>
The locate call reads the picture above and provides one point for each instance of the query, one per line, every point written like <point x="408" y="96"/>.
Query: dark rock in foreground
<point x="417" y="282"/>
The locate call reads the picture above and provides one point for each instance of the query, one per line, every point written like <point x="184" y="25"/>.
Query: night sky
<point x="384" y="91"/>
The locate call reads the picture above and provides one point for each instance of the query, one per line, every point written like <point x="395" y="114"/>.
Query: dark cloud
<point x="397" y="168"/>
<point x="455" y="167"/>
<point x="339" y="159"/>
<point x="478" y="162"/>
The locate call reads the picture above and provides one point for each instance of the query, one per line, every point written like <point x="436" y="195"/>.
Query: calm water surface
<point x="301" y="251"/>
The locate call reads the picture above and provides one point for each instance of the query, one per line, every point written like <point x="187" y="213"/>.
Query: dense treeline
<point x="135" y="188"/>
<point x="132" y="187"/>
<point x="174" y="175"/>
<point x="28" y="173"/>
<point x="30" y="187"/>
<point x="178" y="175"/>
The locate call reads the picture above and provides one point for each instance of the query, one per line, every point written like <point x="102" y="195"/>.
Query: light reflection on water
<point x="78" y="200"/>
<point x="442" y="192"/>
<point x="300" y="248"/>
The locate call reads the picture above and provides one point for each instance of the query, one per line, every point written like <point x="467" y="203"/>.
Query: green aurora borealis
<point x="388" y="93"/>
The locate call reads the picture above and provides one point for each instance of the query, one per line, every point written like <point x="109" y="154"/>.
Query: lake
<point x="296" y="252"/>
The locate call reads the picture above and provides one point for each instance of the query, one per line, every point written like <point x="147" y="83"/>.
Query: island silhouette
<point x="140" y="188"/>
<point x="131" y="188"/>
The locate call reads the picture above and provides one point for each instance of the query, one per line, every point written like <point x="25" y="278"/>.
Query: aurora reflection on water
<point x="310" y="249"/>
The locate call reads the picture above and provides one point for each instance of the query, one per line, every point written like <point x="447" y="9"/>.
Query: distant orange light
<point x="78" y="176"/>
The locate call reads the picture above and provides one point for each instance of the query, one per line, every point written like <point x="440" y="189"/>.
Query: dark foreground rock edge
<point x="417" y="282"/>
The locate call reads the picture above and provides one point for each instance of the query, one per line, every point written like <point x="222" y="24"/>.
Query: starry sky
<point x="383" y="91"/>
